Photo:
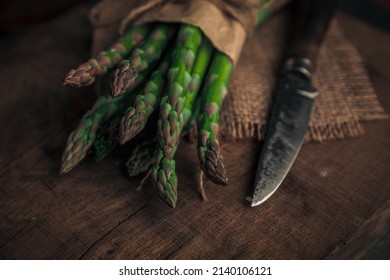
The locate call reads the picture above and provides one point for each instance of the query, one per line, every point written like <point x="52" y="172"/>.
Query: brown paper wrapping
<point x="225" y="22"/>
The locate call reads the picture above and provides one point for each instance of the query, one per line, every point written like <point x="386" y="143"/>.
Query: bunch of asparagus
<point x="171" y="71"/>
<point x="158" y="68"/>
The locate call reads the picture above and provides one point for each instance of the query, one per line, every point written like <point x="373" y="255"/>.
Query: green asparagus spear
<point x="197" y="75"/>
<point x="83" y="137"/>
<point x="164" y="168"/>
<point x="164" y="172"/>
<point x="171" y="121"/>
<point x="85" y="74"/>
<point x="136" y="116"/>
<point x="131" y="72"/>
<point x="217" y="80"/>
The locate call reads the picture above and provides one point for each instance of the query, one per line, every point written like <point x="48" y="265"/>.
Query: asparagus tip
<point x="130" y="127"/>
<point x="122" y="79"/>
<point x="212" y="164"/>
<point x="66" y="166"/>
<point x="78" y="78"/>
<point x="171" y="201"/>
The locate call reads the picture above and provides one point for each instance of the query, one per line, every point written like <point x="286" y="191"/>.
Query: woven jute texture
<point x="346" y="94"/>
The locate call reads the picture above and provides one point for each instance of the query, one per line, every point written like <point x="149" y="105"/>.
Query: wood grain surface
<point x="333" y="191"/>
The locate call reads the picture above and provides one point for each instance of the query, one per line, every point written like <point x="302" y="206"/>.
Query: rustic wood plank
<point x="374" y="227"/>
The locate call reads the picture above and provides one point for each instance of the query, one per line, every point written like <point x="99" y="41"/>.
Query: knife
<point x="295" y="96"/>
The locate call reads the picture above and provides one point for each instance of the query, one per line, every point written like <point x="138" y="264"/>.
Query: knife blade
<point x="294" y="100"/>
<point x="287" y="128"/>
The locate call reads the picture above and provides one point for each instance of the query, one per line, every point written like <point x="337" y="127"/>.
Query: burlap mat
<point x="346" y="95"/>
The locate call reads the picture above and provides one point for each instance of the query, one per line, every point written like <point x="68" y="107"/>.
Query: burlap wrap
<point x="346" y="94"/>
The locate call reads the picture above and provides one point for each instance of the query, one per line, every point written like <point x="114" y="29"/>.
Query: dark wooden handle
<point x="309" y="23"/>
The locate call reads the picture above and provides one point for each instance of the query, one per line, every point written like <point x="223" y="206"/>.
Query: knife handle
<point x="310" y="21"/>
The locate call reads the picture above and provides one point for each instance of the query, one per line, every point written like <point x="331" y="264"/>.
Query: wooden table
<point x="335" y="202"/>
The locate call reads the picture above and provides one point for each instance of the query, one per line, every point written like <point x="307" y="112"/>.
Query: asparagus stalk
<point x="197" y="75"/>
<point x="83" y="137"/>
<point x="85" y="73"/>
<point x="217" y="80"/>
<point x="136" y="116"/>
<point x="131" y="72"/>
<point x="164" y="172"/>
<point x="171" y="121"/>
<point x="164" y="166"/>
